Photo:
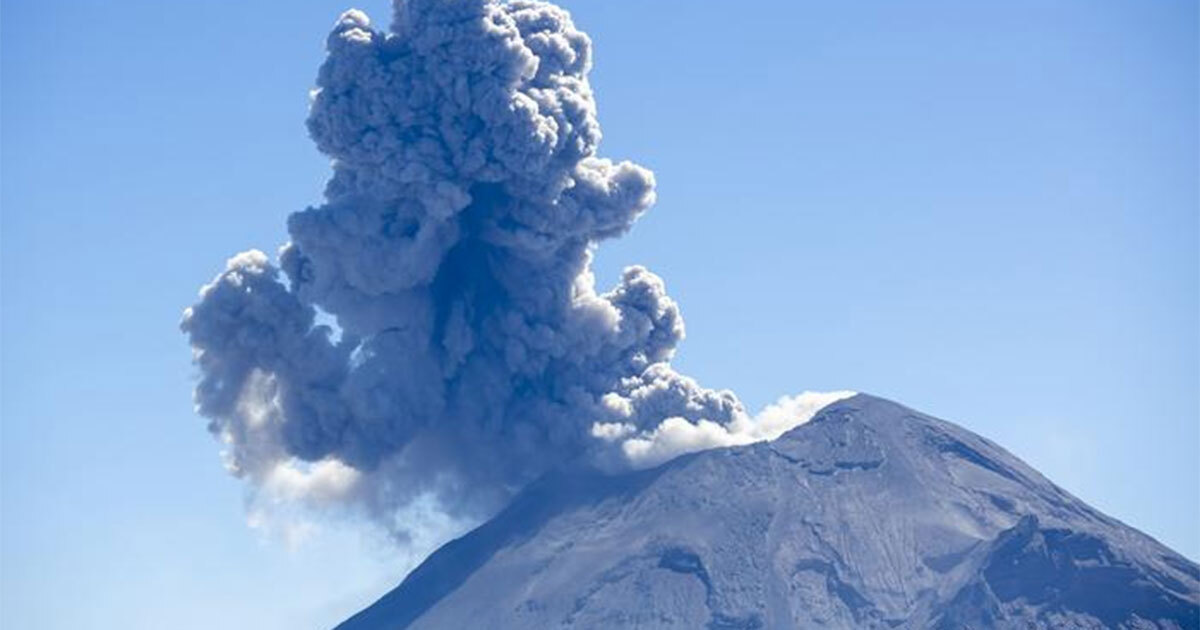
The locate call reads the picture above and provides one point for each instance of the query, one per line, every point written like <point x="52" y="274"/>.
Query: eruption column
<point x="471" y="350"/>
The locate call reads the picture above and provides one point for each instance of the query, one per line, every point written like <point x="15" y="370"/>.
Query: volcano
<point x="871" y="515"/>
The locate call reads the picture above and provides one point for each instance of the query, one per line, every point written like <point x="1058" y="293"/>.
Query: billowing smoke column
<point x="471" y="351"/>
<point x="432" y="334"/>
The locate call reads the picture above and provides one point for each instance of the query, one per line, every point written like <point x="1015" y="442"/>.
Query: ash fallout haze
<point x="464" y="308"/>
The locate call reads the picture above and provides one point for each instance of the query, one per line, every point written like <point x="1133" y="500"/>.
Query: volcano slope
<point x="871" y="515"/>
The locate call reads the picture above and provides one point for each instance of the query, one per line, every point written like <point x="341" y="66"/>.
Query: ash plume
<point x="433" y="329"/>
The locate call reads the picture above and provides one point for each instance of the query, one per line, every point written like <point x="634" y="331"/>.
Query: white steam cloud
<point x="675" y="436"/>
<point x="472" y="351"/>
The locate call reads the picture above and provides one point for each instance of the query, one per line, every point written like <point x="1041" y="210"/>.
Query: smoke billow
<point x="433" y="329"/>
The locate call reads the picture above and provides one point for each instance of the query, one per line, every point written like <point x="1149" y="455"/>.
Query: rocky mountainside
<point x="870" y="516"/>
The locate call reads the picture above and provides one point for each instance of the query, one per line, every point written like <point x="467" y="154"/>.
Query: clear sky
<point x="987" y="211"/>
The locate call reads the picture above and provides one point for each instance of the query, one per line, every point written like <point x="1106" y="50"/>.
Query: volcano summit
<point x="870" y="516"/>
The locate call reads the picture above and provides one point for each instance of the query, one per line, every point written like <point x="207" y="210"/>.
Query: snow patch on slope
<point x="676" y="436"/>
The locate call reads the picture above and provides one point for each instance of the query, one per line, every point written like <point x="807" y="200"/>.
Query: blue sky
<point x="986" y="212"/>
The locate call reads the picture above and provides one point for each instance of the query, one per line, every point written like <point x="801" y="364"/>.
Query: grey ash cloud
<point x="471" y="350"/>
